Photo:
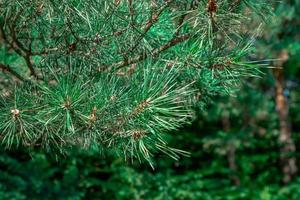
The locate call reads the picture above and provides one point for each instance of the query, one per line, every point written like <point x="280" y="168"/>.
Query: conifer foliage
<point x="116" y="74"/>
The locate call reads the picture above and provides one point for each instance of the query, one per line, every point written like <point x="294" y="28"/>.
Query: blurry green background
<point x="233" y="144"/>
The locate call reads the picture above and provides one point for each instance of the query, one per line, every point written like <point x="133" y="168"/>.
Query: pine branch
<point x="7" y="68"/>
<point x="22" y="51"/>
<point x="19" y="48"/>
<point x="111" y="106"/>
<point x="174" y="41"/>
<point x="234" y="5"/>
<point x="153" y="19"/>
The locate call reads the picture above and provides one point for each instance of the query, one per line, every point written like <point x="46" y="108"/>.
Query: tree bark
<point x="231" y="150"/>
<point x="287" y="145"/>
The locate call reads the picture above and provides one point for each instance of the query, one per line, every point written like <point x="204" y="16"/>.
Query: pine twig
<point x="18" y="47"/>
<point x="153" y="19"/>
<point x="233" y="5"/>
<point x="174" y="41"/>
<point x="7" y="68"/>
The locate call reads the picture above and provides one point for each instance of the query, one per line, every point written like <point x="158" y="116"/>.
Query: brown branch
<point x="148" y="24"/>
<point x="155" y="52"/>
<point x="182" y="18"/>
<point x="8" y="69"/>
<point x="131" y="10"/>
<point x="171" y="43"/>
<point x="30" y="66"/>
<point x="190" y="7"/>
<point x="17" y="46"/>
<point x="234" y="5"/>
<point x="153" y="19"/>
<point x="212" y="8"/>
<point x="25" y="53"/>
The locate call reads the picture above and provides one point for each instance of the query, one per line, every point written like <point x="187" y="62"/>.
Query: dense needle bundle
<point x="116" y="74"/>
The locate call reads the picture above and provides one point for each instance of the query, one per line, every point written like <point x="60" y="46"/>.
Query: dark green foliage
<point x="232" y="139"/>
<point x="116" y="74"/>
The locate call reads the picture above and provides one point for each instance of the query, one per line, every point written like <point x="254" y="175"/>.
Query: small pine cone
<point x="15" y="113"/>
<point x="72" y="47"/>
<point x="93" y="116"/>
<point x="212" y="6"/>
<point x="138" y="134"/>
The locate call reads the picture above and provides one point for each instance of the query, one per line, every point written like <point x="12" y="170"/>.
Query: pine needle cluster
<point x="117" y="74"/>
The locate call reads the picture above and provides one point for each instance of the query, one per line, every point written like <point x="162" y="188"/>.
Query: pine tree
<point x="286" y="48"/>
<point x="117" y="74"/>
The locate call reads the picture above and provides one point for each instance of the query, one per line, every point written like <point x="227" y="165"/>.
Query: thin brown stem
<point x="234" y="5"/>
<point x="153" y="19"/>
<point x="8" y="69"/>
<point x="174" y="41"/>
<point x="18" y="47"/>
